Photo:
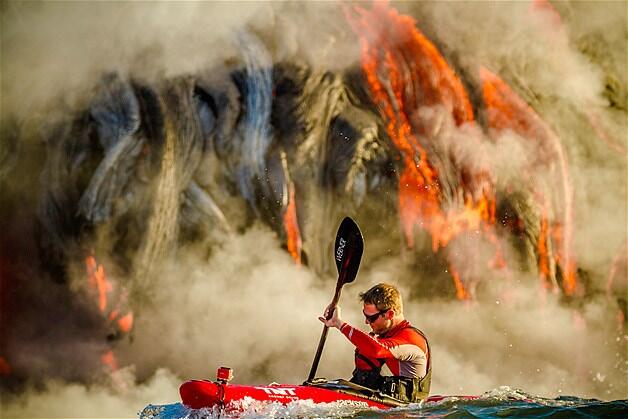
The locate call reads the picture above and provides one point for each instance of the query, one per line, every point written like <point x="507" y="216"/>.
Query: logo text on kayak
<point x="278" y="391"/>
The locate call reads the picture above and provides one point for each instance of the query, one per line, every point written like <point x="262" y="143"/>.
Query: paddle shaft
<point x="321" y="342"/>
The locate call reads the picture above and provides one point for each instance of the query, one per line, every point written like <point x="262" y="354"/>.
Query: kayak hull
<point x="204" y="393"/>
<point x="198" y="394"/>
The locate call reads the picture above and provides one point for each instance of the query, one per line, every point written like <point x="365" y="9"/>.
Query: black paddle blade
<point x="348" y="250"/>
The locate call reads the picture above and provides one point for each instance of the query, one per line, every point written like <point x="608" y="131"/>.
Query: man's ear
<point x="390" y="314"/>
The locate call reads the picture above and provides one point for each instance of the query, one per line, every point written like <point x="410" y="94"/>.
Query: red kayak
<point x="198" y="394"/>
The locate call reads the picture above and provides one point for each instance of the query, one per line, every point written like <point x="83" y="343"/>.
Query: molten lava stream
<point x="400" y="66"/>
<point x="291" y="226"/>
<point x="506" y="111"/>
<point x="100" y="288"/>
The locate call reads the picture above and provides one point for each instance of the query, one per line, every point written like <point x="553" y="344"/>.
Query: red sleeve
<point x="371" y="346"/>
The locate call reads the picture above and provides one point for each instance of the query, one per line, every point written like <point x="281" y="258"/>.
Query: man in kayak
<point x="403" y="348"/>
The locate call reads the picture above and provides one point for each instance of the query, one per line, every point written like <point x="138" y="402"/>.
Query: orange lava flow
<point x="109" y="359"/>
<point x="406" y="72"/>
<point x="98" y="280"/>
<point x="102" y="287"/>
<point x="125" y="323"/>
<point x="543" y="252"/>
<point x="461" y="292"/>
<point x="507" y="111"/>
<point x="291" y="226"/>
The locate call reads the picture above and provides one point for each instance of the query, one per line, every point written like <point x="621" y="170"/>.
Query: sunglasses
<point x="373" y="317"/>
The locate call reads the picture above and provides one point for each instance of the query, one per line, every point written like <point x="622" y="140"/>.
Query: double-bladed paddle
<point x="348" y="253"/>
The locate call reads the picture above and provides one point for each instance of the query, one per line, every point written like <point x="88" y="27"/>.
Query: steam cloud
<point x="246" y="304"/>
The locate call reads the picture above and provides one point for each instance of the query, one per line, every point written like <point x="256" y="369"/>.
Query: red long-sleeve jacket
<point x="403" y="349"/>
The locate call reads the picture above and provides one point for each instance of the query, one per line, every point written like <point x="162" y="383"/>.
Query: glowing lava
<point x="291" y="226"/>
<point x="405" y="73"/>
<point x="120" y="319"/>
<point x="506" y="111"/>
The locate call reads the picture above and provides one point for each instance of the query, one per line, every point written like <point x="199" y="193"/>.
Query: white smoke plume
<point x="250" y="308"/>
<point x="58" y="49"/>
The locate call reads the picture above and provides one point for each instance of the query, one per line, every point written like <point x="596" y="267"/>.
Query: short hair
<point x="384" y="297"/>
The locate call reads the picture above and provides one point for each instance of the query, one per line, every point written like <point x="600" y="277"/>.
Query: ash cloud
<point x="55" y="50"/>
<point x="125" y="398"/>
<point x="513" y="339"/>
<point x="250" y="308"/>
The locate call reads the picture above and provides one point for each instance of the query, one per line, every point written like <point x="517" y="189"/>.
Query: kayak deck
<point x="349" y="388"/>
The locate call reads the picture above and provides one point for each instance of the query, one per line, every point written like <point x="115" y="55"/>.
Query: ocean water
<point x="498" y="403"/>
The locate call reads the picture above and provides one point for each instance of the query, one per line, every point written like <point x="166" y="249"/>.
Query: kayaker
<point x="393" y="341"/>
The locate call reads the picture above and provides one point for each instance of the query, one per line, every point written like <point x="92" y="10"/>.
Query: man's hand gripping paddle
<point x="348" y="253"/>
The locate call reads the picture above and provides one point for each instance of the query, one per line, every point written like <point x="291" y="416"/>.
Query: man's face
<point x="379" y="322"/>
